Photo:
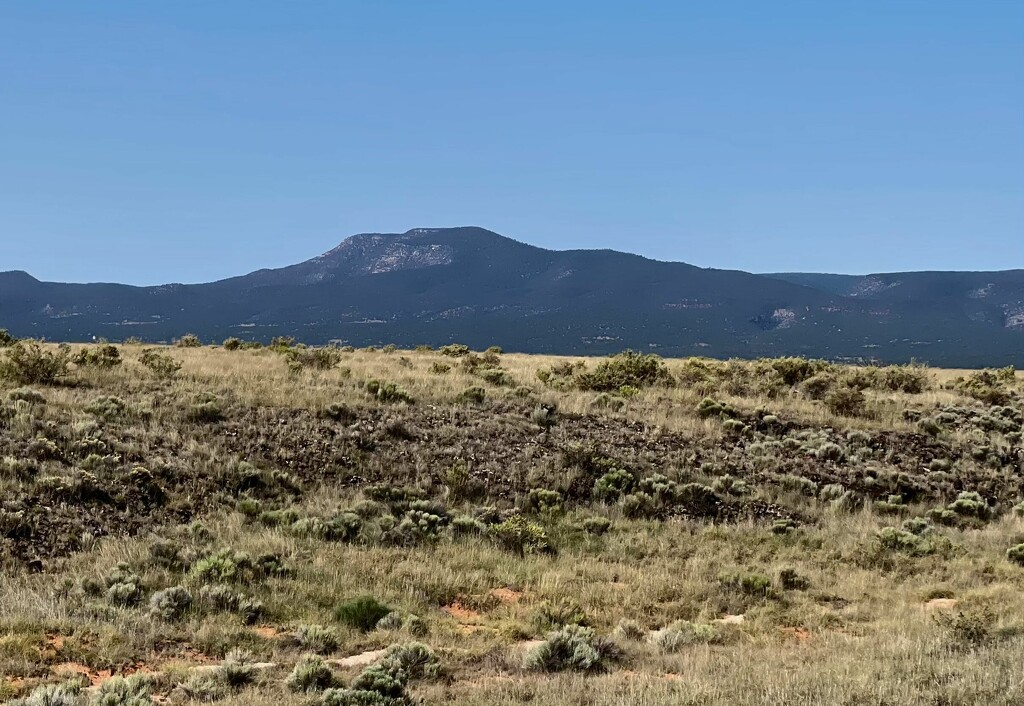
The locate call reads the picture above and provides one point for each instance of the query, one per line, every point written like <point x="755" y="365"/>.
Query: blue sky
<point x="184" y="141"/>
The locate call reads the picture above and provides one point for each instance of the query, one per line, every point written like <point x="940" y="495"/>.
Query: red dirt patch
<point x="267" y="632"/>
<point x="507" y="595"/>
<point x="76" y="668"/>
<point x="461" y="613"/>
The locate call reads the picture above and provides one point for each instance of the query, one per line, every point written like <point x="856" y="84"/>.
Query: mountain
<point x="439" y="285"/>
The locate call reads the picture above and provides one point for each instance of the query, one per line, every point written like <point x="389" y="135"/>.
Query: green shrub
<point x="846" y="402"/>
<point x="709" y="408"/>
<point x="545" y="416"/>
<point x="893" y="539"/>
<point x="496" y="376"/>
<point x="597" y="525"/>
<point x="570" y="648"/>
<point x="794" y="371"/>
<point x="388" y="392"/>
<point x="1016" y="554"/>
<point x="29" y="363"/>
<point x="362" y="613"/>
<point x="225" y="599"/>
<point x="627" y="369"/>
<point x="454" y="350"/>
<point x="160" y="364"/>
<point x="413" y="659"/>
<point x="312" y="358"/>
<point x="613" y="485"/>
<point x="121" y="691"/>
<point x="104" y="356"/>
<point x="232" y="344"/>
<point x="317" y="638"/>
<point x="170" y="603"/>
<point x="968" y="628"/>
<point x="123" y="586"/>
<point x="205" y="409"/>
<point x="757" y="585"/>
<point x="542" y="500"/>
<point x="68" y="694"/>
<point x="472" y="395"/>
<point x="237" y="670"/>
<point x="311" y="674"/>
<point x="912" y="379"/>
<point x="790" y="580"/>
<point x="107" y="407"/>
<point x="6" y="339"/>
<point x="629" y="630"/>
<point x="204" y="687"/>
<point x="683" y="634"/>
<point x="189" y="340"/>
<point x="971" y="504"/>
<point x="26" y="394"/>
<point x="517" y="534"/>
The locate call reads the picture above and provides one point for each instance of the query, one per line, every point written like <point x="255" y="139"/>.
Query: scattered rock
<point x="360" y="660"/>
<point x="941" y="604"/>
<point x="731" y="620"/>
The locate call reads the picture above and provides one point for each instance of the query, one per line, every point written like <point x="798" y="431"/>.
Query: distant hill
<point x="439" y="285"/>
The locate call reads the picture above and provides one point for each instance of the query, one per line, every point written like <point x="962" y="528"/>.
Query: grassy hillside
<point x="296" y="526"/>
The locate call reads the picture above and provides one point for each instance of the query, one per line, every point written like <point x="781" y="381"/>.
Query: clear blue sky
<point x="148" y="142"/>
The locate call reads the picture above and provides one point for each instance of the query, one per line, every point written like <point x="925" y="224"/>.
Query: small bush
<point x="472" y="395"/>
<point x="597" y="525"/>
<point x="682" y="634"/>
<point x="317" y="638"/>
<point x="893" y="539"/>
<point x="629" y="630"/>
<point x="968" y="628"/>
<point x="519" y="535"/>
<point x="846" y="402"/>
<point x="388" y="392"/>
<point x="107" y="407"/>
<point x="757" y="585"/>
<point x="627" y="369"/>
<point x="454" y="350"/>
<point x="413" y="659"/>
<point x="26" y="394"/>
<point x="171" y="603"/>
<point x="104" y="356"/>
<point x="571" y="648"/>
<point x="790" y="580"/>
<point x="120" y="691"/>
<point x="545" y="416"/>
<point x="613" y="485"/>
<point x="1016" y="554"/>
<point x="237" y="670"/>
<point x="311" y="674"/>
<point x="29" y="363"/>
<point x="189" y="340"/>
<point x="362" y="613"/>
<point x="542" y="500"/>
<point x="68" y="694"/>
<point x="6" y="339"/>
<point x="160" y="364"/>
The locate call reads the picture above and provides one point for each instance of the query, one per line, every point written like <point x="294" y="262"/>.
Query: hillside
<point x="437" y="286"/>
<point x="324" y="527"/>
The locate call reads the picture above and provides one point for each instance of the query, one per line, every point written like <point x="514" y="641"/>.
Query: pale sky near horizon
<point x="189" y="141"/>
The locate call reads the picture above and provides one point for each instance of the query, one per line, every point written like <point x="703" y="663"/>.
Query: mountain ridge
<point x="470" y="284"/>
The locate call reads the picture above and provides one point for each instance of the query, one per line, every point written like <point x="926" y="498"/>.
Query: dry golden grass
<point x="859" y="632"/>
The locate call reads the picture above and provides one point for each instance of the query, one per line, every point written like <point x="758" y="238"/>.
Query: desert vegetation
<point x="281" y="524"/>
